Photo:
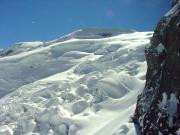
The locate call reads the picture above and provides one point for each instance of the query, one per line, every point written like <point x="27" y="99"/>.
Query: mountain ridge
<point x="157" y="110"/>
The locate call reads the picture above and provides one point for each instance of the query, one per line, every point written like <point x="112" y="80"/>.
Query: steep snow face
<point x="79" y="86"/>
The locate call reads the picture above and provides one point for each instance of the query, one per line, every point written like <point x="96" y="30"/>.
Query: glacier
<point x="85" y="83"/>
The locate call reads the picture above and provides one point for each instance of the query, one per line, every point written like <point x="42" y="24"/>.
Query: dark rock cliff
<point x="158" y="106"/>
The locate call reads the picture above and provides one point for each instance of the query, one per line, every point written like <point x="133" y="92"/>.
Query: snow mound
<point x="20" y="47"/>
<point x="80" y="86"/>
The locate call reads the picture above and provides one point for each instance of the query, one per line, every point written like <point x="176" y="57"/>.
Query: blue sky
<point x="32" y="20"/>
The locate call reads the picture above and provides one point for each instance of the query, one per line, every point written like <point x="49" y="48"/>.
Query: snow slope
<point x="86" y="84"/>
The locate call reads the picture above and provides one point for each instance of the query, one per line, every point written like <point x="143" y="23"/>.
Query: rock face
<point x="158" y="106"/>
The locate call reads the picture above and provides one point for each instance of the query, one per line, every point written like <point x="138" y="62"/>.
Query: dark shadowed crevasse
<point x="158" y="106"/>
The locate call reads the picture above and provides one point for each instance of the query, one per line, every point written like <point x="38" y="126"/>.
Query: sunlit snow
<point x="73" y="86"/>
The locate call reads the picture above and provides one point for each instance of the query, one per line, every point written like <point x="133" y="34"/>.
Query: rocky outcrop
<point x="158" y="106"/>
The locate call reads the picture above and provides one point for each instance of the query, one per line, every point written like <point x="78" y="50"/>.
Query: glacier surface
<point x="85" y="83"/>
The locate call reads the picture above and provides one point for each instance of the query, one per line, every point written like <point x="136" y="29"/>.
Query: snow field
<point x="73" y="87"/>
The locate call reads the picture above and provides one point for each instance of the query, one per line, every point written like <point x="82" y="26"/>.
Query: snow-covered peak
<point x="92" y="33"/>
<point x="98" y="33"/>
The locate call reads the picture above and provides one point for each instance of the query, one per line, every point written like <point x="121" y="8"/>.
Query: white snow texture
<point x="85" y="83"/>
